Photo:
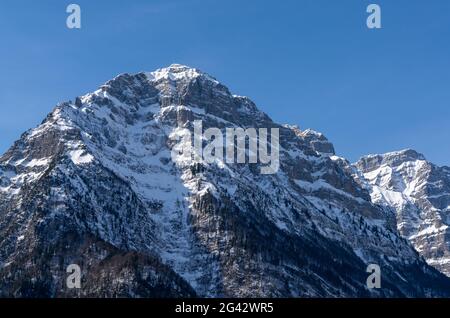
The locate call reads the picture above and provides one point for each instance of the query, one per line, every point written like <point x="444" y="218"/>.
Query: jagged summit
<point x="181" y="90"/>
<point x="171" y="83"/>
<point x="176" y="72"/>
<point x="406" y="153"/>
<point x="390" y="158"/>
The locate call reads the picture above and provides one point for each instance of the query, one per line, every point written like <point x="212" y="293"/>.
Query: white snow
<point x="177" y="72"/>
<point x="321" y="184"/>
<point x="430" y="231"/>
<point x="80" y="157"/>
<point x="38" y="162"/>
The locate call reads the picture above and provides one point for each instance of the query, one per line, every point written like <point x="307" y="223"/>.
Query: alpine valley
<point x="95" y="185"/>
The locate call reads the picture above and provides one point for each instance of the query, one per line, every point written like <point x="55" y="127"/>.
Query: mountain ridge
<point x="99" y="170"/>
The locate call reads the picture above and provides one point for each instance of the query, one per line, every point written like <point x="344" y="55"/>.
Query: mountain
<point x="97" y="185"/>
<point x="418" y="194"/>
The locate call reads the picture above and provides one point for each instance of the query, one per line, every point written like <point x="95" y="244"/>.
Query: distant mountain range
<point x="95" y="185"/>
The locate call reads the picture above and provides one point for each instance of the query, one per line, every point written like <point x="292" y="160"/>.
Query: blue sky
<point x="313" y="63"/>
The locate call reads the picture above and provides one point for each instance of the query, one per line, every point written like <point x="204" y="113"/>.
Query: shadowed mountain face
<point x="95" y="185"/>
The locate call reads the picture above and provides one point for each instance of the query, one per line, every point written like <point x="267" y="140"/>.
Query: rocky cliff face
<point x="318" y="142"/>
<point x="95" y="185"/>
<point x="418" y="194"/>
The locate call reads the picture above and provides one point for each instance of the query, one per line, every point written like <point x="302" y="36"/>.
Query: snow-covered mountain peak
<point x="178" y="72"/>
<point x="404" y="155"/>
<point x="418" y="193"/>
<point x="396" y="158"/>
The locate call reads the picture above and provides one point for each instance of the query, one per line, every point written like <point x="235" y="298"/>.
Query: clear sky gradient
<point x="313" y="63"/>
